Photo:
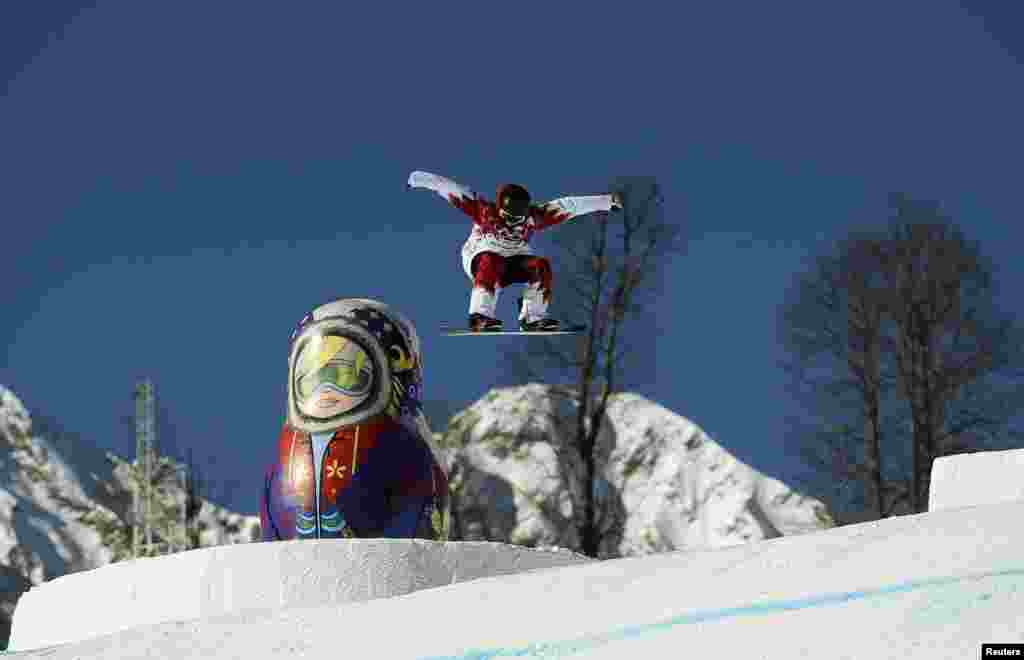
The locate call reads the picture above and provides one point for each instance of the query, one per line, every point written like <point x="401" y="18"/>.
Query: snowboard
<point x="455" y="331"/>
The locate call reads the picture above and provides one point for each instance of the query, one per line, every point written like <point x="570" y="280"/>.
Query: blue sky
<point x="183" y="181"/>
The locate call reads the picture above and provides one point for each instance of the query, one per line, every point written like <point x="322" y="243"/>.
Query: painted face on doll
<point x="333" y="375"/>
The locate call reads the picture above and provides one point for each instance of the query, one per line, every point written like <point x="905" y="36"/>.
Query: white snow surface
<point x="208" y="582"/>
<point x="927" y="586"/>
<point x="980" y="478"/>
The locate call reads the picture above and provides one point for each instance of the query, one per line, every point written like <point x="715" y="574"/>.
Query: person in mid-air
<point x="355" y="458"/>
<point x="498" y="251"/>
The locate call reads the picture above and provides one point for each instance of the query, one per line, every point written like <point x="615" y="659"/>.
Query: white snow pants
<point x="484" y="301"/>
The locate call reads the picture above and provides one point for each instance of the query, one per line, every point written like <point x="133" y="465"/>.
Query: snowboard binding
<point x="540" y="325"/>
<point x="481" y="323"/>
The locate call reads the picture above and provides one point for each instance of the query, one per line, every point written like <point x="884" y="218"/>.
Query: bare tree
<point x="833" y="326"/>
<point x="958" y="355"/>
<point x="607" y="266"/>
<point x="894" y="341"/>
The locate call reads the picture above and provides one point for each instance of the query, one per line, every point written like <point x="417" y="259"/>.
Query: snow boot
<point x="481" y="323"/>
<point x="540" y="325"/>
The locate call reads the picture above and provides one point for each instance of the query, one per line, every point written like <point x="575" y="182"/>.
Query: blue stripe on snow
<point x="574" y="646"/>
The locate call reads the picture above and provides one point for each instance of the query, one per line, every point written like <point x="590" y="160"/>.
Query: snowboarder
<point x="355" y="457"/>
<point x="498" y="251"/>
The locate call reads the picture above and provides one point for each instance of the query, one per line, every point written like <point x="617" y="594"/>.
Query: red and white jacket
<point x="490" y="232"/>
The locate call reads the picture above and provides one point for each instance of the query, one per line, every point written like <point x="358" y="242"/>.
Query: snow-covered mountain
<point x="663" y="484"/>
<point x="44" y="496"/>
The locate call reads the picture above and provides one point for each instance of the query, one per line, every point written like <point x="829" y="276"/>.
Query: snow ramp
<point x="934" y="585"/>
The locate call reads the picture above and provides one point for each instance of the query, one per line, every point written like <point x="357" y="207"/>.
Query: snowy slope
<point x="923" y="587"/>
<point x="42" y="497"/>
<point x="665" y="484"/>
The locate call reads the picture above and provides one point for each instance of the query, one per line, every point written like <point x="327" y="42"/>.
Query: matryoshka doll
<point x="355" y="458"/>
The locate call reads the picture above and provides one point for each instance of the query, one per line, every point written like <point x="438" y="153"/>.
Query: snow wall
<point x="991" y="477"/>
<point x="256" y="577"/>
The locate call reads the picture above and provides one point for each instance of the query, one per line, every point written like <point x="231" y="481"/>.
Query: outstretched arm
<point x="457" y="195"/>
<point x="566" y="208"/>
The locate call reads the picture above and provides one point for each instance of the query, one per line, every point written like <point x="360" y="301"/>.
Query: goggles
<point x="339" y="376"/>
<point x="352" y="377"/>
<point x="511" y="218"/>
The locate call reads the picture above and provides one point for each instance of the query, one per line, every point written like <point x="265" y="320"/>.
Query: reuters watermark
<point x="1002" y="651"/>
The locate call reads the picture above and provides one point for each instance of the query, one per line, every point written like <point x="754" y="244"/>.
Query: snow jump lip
<point x="988" y="477"/>
<point x="220" y="580"/>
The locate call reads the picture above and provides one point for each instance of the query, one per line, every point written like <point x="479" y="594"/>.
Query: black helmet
<point x="513" y="202"/>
